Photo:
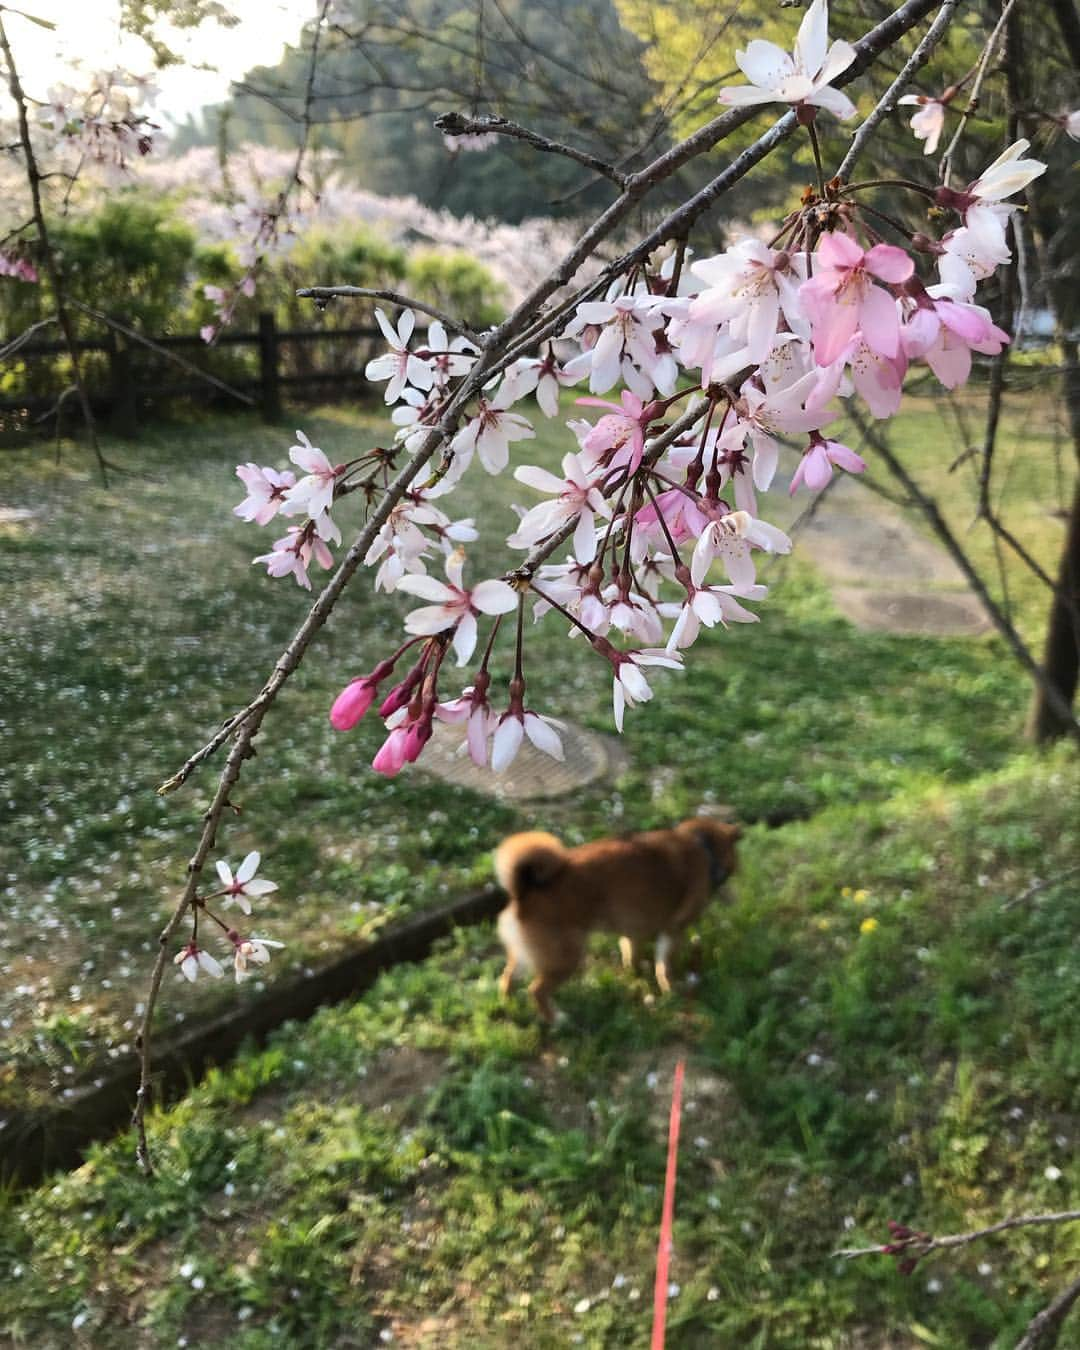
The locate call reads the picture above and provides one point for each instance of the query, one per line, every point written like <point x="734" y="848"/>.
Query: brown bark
<point x="1061" y="655"/>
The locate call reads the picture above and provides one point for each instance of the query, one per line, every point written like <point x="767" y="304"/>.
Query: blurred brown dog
<point x="644" y="886"/>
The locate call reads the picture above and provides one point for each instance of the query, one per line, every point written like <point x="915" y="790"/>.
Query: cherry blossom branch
<point x="49" y="258"/>
<point x="457" y="124"/>
<point x="870" y="46"/>
<point x="246" y="725"/>
<point x="498" y="352"/>
<point x="922" y="1244"/>
<point x="887" y="103"/>
<point x="324" y="293"/>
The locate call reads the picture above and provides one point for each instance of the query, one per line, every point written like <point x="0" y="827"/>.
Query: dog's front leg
<point x="629" y="955"/>
<point x="506" y="979"/>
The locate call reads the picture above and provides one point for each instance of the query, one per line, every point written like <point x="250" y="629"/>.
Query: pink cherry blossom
<point x="409" y="731"/>
<point x="944" y="332"/>
<point x="314" y="493"/>
<point x="448" y="358"/>
<point x="929" y="122"/>
<point x="245" y="884"/>
<point x="802" y="78"/>
<point x="293" y="553"/>
<point x="193" y="958"/>
<point x="266" y="490"/>
<point x="683" y="516"/>
<point x="764" y="414"/>
<point x="618" y="439"/>
<point x="517" y="723"/>
<point x="17" y="266"/>
<point x="358" y="696"/>
<point x="747" y="288"/>
<point x="841" y="296"/>
<point x="399" y="366"/>
<point x="473" y="709"/>
<point x="877" y="379"/>
<point x="576" y="497"/>
<point x="455" y="607"/>
<point x="816" y="466"/>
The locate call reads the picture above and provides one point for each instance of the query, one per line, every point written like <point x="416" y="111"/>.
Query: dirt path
<point x="883" y="573"/>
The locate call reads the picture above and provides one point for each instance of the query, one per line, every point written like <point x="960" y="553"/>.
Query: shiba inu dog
<point x="641" y="887"/>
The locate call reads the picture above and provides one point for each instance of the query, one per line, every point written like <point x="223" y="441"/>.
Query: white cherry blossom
<point x="802" y="78"/>
<point x="454" y="606"/>
<point x="399" y="365"/>
<point x="245" y="884"/>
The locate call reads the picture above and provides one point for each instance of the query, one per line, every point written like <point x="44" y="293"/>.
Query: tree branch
<point x="457" y="124"/>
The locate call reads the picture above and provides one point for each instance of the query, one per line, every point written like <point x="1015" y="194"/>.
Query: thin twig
<point x="887" y="103"/>
<point x="933" y="515"/>
<point x="945" y="171"/>
<point x="49" y="258"/>
<point x="1037" y="887"/>
<point x="181" y="361"/>
<point x="391" y="298"/>
<point x="1043" y="1329"/>
<point x="922" y="1245"/>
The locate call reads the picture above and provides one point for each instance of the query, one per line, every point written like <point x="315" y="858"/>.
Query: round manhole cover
<point x="533" y="774"/>
<point x="929" y="613"/>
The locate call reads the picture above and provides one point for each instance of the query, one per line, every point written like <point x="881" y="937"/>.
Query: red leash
<point x="663" y="1250"/>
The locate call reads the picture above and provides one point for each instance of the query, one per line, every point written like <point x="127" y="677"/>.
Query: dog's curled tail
<point x="525" y="861"/>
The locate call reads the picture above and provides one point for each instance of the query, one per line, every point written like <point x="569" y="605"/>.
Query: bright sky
<point x="87" y="32"/>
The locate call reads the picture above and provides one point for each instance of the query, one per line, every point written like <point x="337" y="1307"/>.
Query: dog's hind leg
<point x="629" y="955"/>
<point x="665" y="945"/>
<point x="541" y="989"/>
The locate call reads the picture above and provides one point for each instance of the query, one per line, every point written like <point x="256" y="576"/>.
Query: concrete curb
<point x="34" y="1143"/>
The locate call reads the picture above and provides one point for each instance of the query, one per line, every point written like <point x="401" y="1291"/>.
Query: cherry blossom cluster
<point x="103" y="128"/>
<point x="239" y="889"/>
<point x="262" y="230"/>
<point x="706" y="379"/>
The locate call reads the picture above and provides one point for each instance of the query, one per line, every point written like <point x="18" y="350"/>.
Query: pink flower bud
<point x="401" y="693"/>
<point x="352" y="703"/>
<point x="391" y="754"/>
<point x="417" y="736"/>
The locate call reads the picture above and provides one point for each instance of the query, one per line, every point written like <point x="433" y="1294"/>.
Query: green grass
<point x="426" y="1162"/>
<point x="137" y="623"/>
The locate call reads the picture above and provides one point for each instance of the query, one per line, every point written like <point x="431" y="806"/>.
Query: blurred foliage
<point x="566" y="68"/>
<point x="135" y="260"/>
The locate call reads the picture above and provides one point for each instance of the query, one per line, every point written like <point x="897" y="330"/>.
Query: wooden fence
<point x="127" y="389"/>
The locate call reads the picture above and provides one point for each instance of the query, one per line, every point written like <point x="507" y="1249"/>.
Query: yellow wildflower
<point x="868" y="925"/>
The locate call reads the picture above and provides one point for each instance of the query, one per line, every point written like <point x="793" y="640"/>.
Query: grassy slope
<point x="424" y="1162"/>
<point x="138" y="622"/>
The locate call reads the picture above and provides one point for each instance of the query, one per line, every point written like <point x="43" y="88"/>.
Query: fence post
<point x="268" y="368"/>
<point x="124" y="406"/>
